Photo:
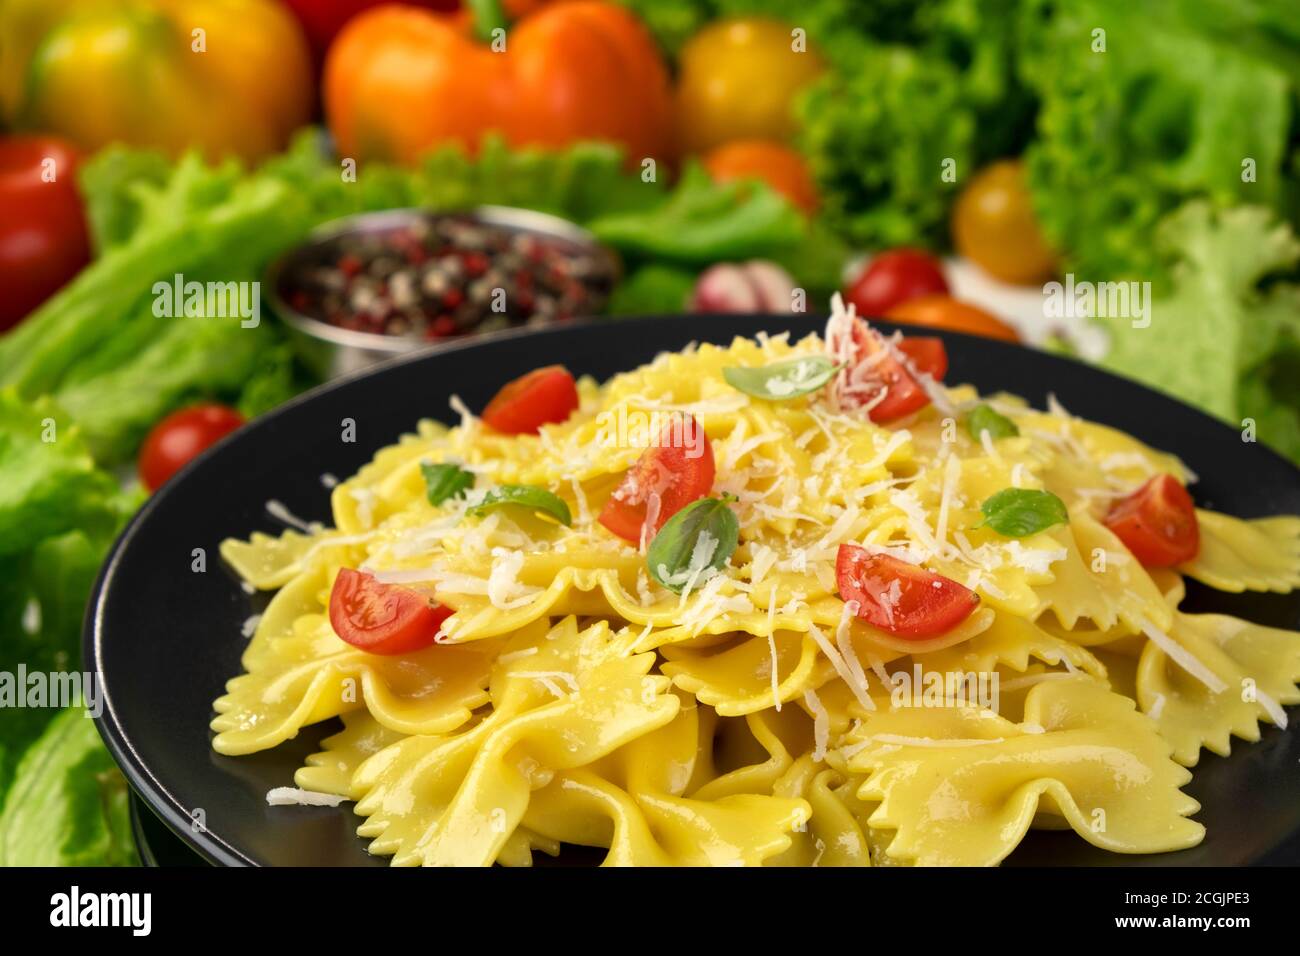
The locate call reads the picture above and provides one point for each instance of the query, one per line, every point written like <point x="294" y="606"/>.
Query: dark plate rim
<point x="156" y="794"/>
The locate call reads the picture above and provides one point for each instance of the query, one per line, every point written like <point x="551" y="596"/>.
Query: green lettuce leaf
<point x="1218" y="338"/>
<point x="68" y="805"/>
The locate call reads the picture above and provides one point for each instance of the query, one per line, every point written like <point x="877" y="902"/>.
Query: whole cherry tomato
<point x="779" y="166"/>
<point x="43" y="240"/>
<point x="895" y="277"/>
<point x="180" y="437"/>
<point x="994" y="226"/>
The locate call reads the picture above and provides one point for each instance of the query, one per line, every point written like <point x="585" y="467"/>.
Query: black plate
<point x="165" y="639"/>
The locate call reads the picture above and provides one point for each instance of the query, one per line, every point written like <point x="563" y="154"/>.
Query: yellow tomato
<point x="738" y="80"/>
<point x="993" y="225"/>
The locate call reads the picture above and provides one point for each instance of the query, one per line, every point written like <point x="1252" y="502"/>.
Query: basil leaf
<point x="445" y="481"/>
<point x="1020" y="512"/>
<point x="527" y="496"/>
<point x="781" y="380"/>
<point x="985" y="419"/>
<point x="701" y="536"/>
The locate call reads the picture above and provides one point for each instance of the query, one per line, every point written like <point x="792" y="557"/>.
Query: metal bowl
<point x="331" y="351"/>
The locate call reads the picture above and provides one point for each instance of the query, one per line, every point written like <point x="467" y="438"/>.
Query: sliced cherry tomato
<point x="181" y="436"/>
<point x="901" y="598"/>
<point x="383" y="618"/>
<point x="544" y="396"/>
<point x="872" y="367"/>
<point x="678" y="469"/>
<point x="927" y="353"/>
<point x="945" y="312"/>
<point x="893" y="278"/>
<point x="995" y="226"/>
<point x="1157" y="523"/>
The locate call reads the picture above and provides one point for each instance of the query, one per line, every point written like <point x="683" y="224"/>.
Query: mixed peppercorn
<point x="436" y="277"/>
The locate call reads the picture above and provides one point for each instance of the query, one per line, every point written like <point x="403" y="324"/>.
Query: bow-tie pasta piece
<point x="962" y="788"/>
<point x="1213" y="677"/>
<point x="1237" y="555"/>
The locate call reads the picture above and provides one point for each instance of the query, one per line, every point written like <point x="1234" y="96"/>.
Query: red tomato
<point x="383" y="618"/>
<point x="927" y="353"/>
<point x="1157" y="523"/>
<point x="894" y="277"/>
<point x="43" y="240"/>
<point x="871" y="368"/>
<point x="945" y="312"/>
<point x="901" y="598"/>
<point x="782" y="168"/>
<point x="667" y="470"/>
<point x="180" y="436"/>
<point x="544" y="396"/>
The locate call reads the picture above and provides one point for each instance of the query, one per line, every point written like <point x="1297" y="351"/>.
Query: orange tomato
<point x="945" y="312"/>
<point x="738" y="79"/>
<point x="400" y="81"/>
<point x="779" y="166"/>
<point x="994" y="225"/>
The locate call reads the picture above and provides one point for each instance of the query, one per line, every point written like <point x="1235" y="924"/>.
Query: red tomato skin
<point x="928" y="604"/>
<point x="668" y="469"/>
<point x="1157" y="523"/>
<point x="545" y="396"/>
<point x="927" y="353"/>
<point x="894" y="277"/>
<point x="382" y="618"/>
<point x="905" y="394"/>
<point x="43" y="236"/>
<point x="181" y="436"/>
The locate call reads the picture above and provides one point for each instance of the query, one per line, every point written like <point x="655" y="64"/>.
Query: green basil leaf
<point x="1020" y="512"/>
<point x="445" y="481"/>
<point x="527" y="496"/>
<point x="785" y="379"/>
<point x="985" y="419"/>
<point x="702" y="535"/>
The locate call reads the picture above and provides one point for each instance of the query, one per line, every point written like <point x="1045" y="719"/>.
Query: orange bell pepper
<point x="400" y="81"/>
<point x="226" y="76"/>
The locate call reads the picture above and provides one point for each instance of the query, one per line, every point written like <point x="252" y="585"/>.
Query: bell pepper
<point x="400" y="81"/>
<point x="225" y="76"/>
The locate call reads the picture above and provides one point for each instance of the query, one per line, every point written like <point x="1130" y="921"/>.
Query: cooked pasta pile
<point x="746" y="712"/>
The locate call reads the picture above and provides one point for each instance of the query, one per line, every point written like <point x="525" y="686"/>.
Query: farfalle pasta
<point x="777" y="603"/>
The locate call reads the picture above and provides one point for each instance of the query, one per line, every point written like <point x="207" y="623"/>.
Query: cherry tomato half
<point x="1157" y="523"/>
<point x="544" y="396"/>
<point x="383" y="618"/>
<point x="893" y="278"/>
<point x="945" y="312"/>
<point x="180" y="436"/>
<point x="781" y="167"/>
<point x="871" y="368"/>
<point x="901" y="598"/>
<point x="43" y="239"/>
<point x="678" y="469"/>
<point x="927" y="353"/>
<point x="994" y="226"/>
